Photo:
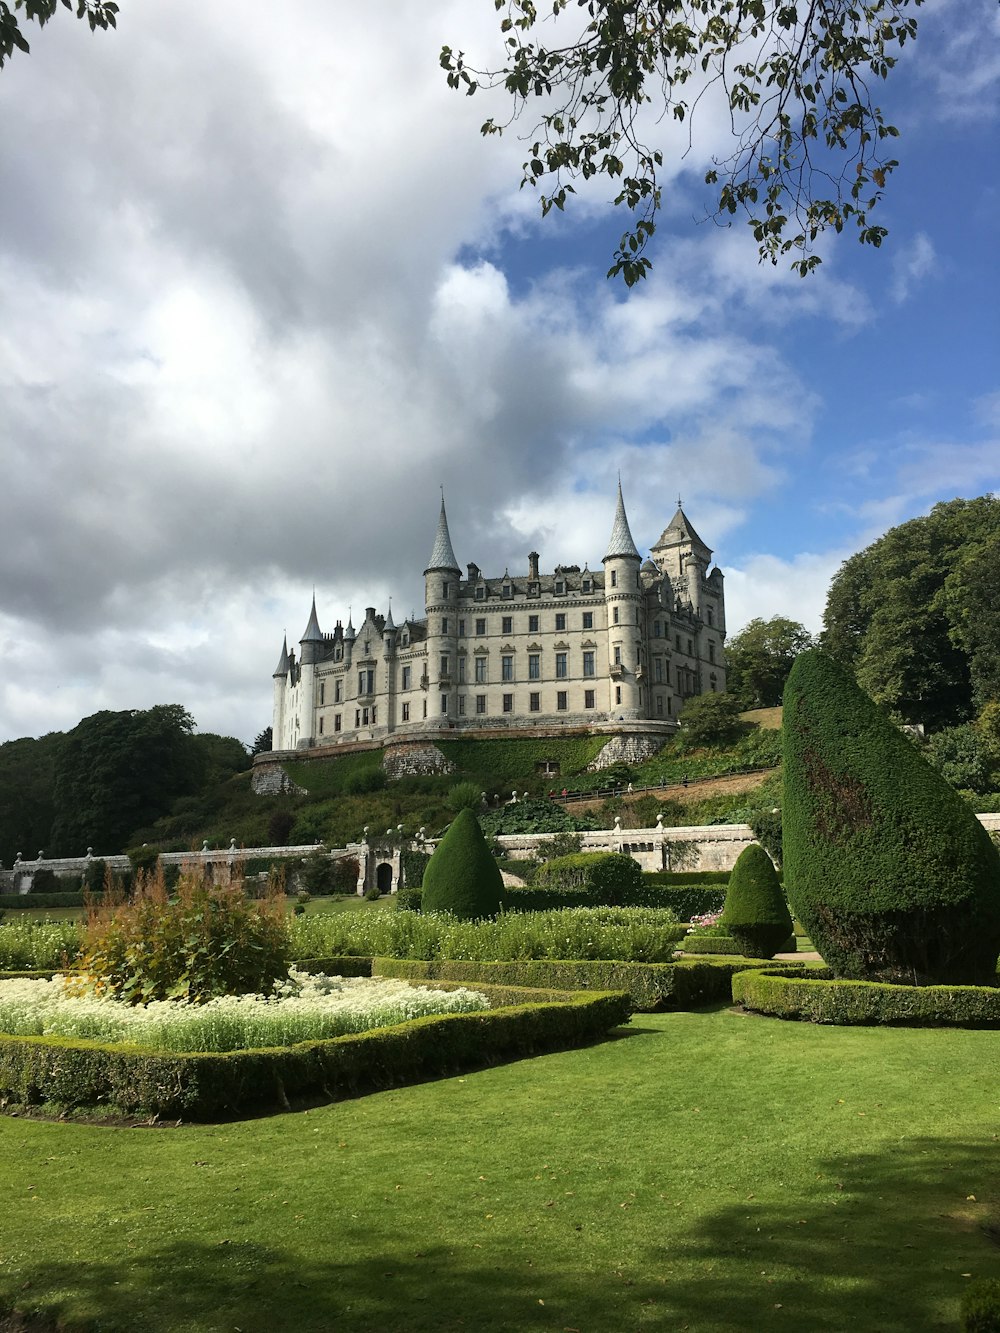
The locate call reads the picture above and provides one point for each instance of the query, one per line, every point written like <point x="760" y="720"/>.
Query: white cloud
<point x="765" y="586"/>
<point x="911" y="264"/>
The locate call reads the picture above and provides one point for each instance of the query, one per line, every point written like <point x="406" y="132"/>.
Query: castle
<point x="617" y="648"/>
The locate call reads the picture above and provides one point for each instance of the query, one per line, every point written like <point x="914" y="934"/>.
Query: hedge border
<point x="820" y="998"/>
<point x="14" y="901"/>
<point x="88" y="1076"/>
<point x="651" y="987"/>
<point x="726" y="945"/>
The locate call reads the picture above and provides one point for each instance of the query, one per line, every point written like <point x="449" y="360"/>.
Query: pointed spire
<point x="350" y="634"/>
<point x="389" y="624"/>
<point x="312" y="634"/>
<point x="442" y="557"/>
<point x="282" y="668"/>
<point x="621" y="544"/>
<point x="679" y="530"/>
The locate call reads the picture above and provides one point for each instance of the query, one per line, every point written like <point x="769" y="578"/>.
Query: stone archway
<point x="383" y="877"/>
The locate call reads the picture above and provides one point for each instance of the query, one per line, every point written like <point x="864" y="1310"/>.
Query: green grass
<point x="707" y="1171"/>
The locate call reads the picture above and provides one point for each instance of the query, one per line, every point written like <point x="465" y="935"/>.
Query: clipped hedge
<point x="756" y="914"/>
<point x="650" y="986"/>
<point x="684" y="903"/>
<point x="78" y="1074"/>
<point x="37" y="900"/>
<point x="818" y="998"/>
<point x="338" y="966"/>
<point x="610" y="878"/>
<point x="462" y="877"/>
<point x="725" y="944"/>
<point x="678" y="877"/>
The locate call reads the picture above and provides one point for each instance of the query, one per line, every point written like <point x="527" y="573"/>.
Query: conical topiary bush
<point x="885" y="865"/>
<point x="462" y="877"/>
<point x="756" y="914"/>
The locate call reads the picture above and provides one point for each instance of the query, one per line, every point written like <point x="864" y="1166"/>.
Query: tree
<point x="711" y="719"/>
<point x="810" y="148"/>
<point x="462" y="877"/>
<point x="115" y="772"/>
<point x="885" y="865"/>
<point x="914" y="615"/>
<point x="759" y="658"/>
<point x="263" y="742"/>
<point x="98" y="13"/>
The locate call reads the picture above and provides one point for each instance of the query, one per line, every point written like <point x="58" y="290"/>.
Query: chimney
<point x="532" y="564"/>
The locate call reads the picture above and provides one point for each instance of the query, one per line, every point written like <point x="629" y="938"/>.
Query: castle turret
<point x="280" y="676"/>
<point x="441" y="579"/>
<point x="624" y="601"/>
<point x="310" y="649"/>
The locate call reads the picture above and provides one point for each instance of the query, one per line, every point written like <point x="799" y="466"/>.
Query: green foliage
<point x="759" y="658"/>
<point x="628" y="934"/>
<point x="980" y="1309"/>
<point x="320" y="874"/>
<point x="500" y="765"/>
<point x="887" y="868"/>
<point x="263" y="742"/>
<point x="204" y="941"/>
<point x="35" y="901"/>
<point x="27" y="779"/>
<point x="98" y="13"/>
<point x="188" y="1086"/>
<point x="756" y="914"/>
<point x="711" y="719"/>
<point x="560" y="844"/>
<point x="95" y="875"/>
<point x="464" y="796"/>
<point x="143" y="858"/>
<point x="539" y="815"/>
<point x="462" y="877"/>
<point x="814" y="996"/>
<point x="413" y="864"/>
<point x="29" y="944"/>
<point x="44" y="880"/>
<point x="915" y="615"/>
<point x="813" y="156"/>
<point x="962" y="756"/>
<point x="608" y="879"/>
<point x="766" y="825"/>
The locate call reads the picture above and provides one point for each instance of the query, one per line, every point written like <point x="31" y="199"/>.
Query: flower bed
<point x="306" y="1008"/>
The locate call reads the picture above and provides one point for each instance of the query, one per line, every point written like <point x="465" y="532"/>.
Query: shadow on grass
<point x="883" y="1246"/>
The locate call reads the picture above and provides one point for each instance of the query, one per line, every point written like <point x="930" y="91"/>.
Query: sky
<point x="265" y="290"/>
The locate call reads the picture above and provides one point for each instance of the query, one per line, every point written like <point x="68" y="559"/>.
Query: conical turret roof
<point x="313" y="633"/>
<point x="621" y="544"/>
<point x="282" y="668"/>
<point x="681" y="529"/>
<point x="442" y="556"/>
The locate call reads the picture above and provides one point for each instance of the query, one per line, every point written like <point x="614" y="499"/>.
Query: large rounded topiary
<point x="462" y="877"/>
<point x="756" y="914"/>
<point x="885" y="865"/>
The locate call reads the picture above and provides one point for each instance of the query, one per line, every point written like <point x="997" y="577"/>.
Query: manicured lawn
<point x="706" y="1171"/>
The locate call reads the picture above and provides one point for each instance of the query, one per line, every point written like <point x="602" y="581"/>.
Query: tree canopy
<point x="915" y="615"/>
<point x="759" y="658"/>
<point x="810" y="149"/>
<point x="98" y="13"/>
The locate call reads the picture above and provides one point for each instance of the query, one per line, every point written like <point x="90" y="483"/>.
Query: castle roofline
<point x="621" y="545"/>
<point x="680" y="529"/>
<point x="283" y="664"/>
<point x="442" y="556"/>
<point x="313" y="633"/>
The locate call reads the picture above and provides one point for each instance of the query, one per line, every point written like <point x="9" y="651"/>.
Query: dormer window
<point x="506" y="590"/>
<point x="560" y="587"/>
<point x="338" y="654"/>
<point x="480" y="592"/>
<point x="587" y="585"/>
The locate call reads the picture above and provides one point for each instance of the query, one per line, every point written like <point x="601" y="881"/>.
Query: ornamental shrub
<point x="885" y="865"/>
<point x="201" y="942"/>
<point x="756" y="914"/>
<point x="462" y="877"/>
<point x="608" y="879"/>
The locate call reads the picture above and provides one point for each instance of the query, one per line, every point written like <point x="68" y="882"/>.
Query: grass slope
<point x="799" y="1178"/>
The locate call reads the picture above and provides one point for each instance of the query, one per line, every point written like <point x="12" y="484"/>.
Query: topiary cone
<point x="885" y="865"/>
<point x="756" y="914"/>
<point x="462" y="877"/>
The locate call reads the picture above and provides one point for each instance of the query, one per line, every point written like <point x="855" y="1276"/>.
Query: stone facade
<point x="626" y="643"/>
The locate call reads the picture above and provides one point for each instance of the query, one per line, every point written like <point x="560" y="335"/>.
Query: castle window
<point x="657" y="627"/>
<point x="506" y="590"/>
<point x="618" y="694"/>
<point x="481" y="628"/>
<point x="461" y="671"/>
<point x="587" y="585"/>
<point x="532" y="624"/>
<point x="508" y="703"/>
<point x="560" y="587"/>
<point x="711" y="652"/>
<point x="561" y="665"/>
<point x="336" y="723"/>
<point x="461" y="629"/>
<point x="659" y="705"/>
<point x="321" y="726"/>
<point x="445" y="665"/>
<point x="534" y="666"/>
<point x="506" y="668"/>
<point x="461" y="705"/>
<point x="406" y="712"/>
<point x="534" y="702"/>
<point x="338" y="654"/>
<point x="669" y="705"/>
<point x="480" y="592"/>
<point x="614" y="578"/>
<point x="480" y="670"/>
<point x="618" y="654"/>
<point x="407" y="677"/>
<point x="560" y="620"/>
<point x="368" y="648"/>
<point x="425" y="708"/>
<point x="658" y="668"/>
<point x="588" y="698"/>
<point x="678" y="637"/>
<point x="336" y="691"/>
<point x="614" y="615"/>
<point x="480" y="703"/>
<point x="711" y="615"/>
<point x="322" y="693"/>
<point x="444" y="625"/>
<point x="357" y="717"/>
<point x="690" y="648"/>
<point x="588" y="663"/>
<point x="561" y="700"/>
<point x="374" y="716"/>
<point x="507" y="625"/>
<point x="445" y="589"/>
<point x="444" y="703"/>
<point x="366" y="681"/>
<point x="588" y="620"/>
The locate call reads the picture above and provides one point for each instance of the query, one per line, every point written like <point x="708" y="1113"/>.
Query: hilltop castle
<point x="618" y="648"/>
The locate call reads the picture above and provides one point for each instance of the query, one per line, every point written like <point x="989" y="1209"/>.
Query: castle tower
<point x="280" y="676"/>
<point x="623" y="597"/>
<point x="681" y="554"/>
<point x="389" y="657"/>
<point x="310" y="648"/>
<point x="441" y="579"/>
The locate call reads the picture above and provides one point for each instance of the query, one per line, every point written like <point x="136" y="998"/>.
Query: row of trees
<point x="112" y="774"/>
